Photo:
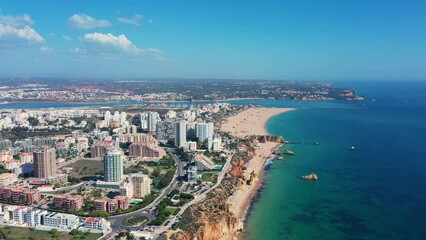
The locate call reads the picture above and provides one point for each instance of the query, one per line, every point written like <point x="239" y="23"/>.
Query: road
<point x="116" y="221"/>
<point x="197" y="199"/>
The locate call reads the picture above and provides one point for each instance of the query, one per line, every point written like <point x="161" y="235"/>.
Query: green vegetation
<point x="208" y="177"/>
<point x="162" y="213"/>
<point x="172" y="210"/>
<point x="219" y="160"/>
<point x="186" y="196"/>
<point x="133" y="221"/>
<point x="164" y="179"/>
<point x="183" y="155"/>
<point x="33" y="121"/>
<point x="167" y="162"/>
<point x="23" y="132"/>
<point x="21" y="233"/>
<point x="3" y="170"/>
<point x="139" y="167"/>
<point x="77" y="234"/>
<point x="125" y="146"/>
<point x="173" y="192"/>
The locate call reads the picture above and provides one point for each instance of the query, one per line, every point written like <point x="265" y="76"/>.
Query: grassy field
<point x="86" y="168"/>
<point x="172" y="210"/>
<point x="208" y="177"/>
<point x="20" y="233"/>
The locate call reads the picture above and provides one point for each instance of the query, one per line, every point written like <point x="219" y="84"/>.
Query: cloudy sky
<point x="296" y="40"/>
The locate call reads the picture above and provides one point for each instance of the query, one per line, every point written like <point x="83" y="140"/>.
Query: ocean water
<point x="377" y="191"/>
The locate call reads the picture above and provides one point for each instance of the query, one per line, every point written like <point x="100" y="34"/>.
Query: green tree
<point x="33" y="121"/>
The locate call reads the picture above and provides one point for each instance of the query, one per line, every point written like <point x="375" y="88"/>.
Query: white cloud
<point x="18" y="21"/>
<point x="111" y="44"/>
<point x="66" y="37"/>
<point x="135" y="20"/>
<point x="46" y="49"/>
<point x="109" y="41"/>
<point x="84" y="21"/>
<point x="18" y="31"/>
<point x="13" y="35"/>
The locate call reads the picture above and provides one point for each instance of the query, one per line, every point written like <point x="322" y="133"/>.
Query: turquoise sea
<point x="377" y="191"/>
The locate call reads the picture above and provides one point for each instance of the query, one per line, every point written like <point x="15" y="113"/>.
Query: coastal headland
<point x="221" y="214"/>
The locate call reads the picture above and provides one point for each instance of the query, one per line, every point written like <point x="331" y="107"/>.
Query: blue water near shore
<point x="377" y="191"/>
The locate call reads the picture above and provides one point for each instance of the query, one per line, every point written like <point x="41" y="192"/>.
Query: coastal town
<point x="114" y="172"/>
<point x="158" y="90"/>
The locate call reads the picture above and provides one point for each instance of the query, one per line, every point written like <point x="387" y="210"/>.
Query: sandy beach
<point x="251" y="122"/>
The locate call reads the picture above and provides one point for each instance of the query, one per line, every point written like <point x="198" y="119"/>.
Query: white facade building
<point x="180" y="139"/>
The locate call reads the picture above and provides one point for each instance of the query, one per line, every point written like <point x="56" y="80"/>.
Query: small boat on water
<point x="288" y="152"/>
<point x="353" y="148"/>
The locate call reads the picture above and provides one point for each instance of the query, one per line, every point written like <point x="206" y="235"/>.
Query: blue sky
<point x="290" y="40"/>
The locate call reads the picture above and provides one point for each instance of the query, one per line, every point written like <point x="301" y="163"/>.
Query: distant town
<point x="102" y="171"/>
<point x="87" y="90"/>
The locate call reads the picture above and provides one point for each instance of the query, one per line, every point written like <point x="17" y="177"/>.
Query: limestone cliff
<point x="211" y="219"/>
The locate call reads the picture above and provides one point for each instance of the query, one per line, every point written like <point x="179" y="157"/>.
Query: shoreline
<point x="252" y="121"/>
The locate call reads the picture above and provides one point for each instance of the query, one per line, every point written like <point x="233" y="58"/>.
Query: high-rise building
<point x="143" y="118"/>
<point x="138" y="185"/>
<point x="116" y="116"/>
<point x="166" y="130"/>
<point x="113" y="165"/>
<point x="123" y="116"/>
<point x="153" y="118"/>
<point x="204" y="132"/>
<point x="107" y="116"/>
<point x="180" y="134"/>
<point x="149" y="121"/>
<point x="44" y="162"/>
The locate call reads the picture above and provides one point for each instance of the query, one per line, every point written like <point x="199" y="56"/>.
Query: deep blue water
<point x="377" y="191"/>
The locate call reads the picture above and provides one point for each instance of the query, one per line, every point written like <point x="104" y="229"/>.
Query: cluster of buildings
<point x="68" y="202"/>
<point x="146" y="150"/>
<point x="18" y="194"/>
<point x="112" y="205"/>
<point x="192" y="130"/>
<point x="47" y="119"/>
<point x="136" y="185"/>
<point x="24" y="216"/>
